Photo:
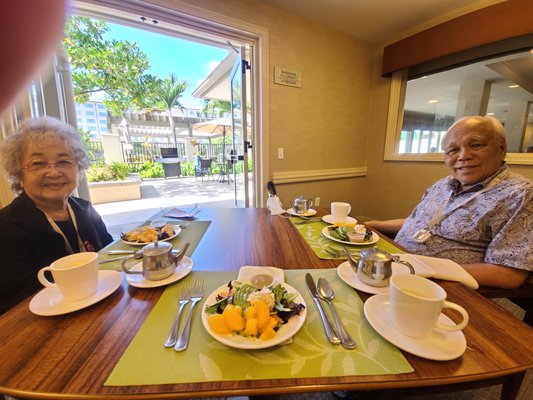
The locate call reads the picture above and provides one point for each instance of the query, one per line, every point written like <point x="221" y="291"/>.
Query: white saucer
<point x="140" y="281"/>
<point x="50" y="301"/>
<point x="308" y="213"/>
<point x="329" y="219"/>
<point x="348" y="275"/>
<point x="440" y="345"/>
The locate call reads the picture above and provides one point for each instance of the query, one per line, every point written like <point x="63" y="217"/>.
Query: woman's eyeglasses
<point x="41" y="167"/>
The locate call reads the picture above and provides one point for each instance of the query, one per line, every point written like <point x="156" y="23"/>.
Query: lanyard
<point x="56" y="228"/>
<point x="439" y="216"/>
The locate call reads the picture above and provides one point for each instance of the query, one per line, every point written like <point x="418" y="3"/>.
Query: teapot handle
<point x="411" y="269"/>
<point x="126" y="270"/>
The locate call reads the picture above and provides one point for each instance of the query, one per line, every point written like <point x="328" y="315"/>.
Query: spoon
<point x="136" y="254"/>
<point x="325" y="291"/>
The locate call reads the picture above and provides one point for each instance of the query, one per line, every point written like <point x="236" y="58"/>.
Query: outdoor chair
<point x="225" y="172"/>
<point x="203" y="169"/>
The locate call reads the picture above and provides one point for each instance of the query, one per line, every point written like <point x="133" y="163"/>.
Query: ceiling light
<point x="490" y="113"/>
<point x="433" y="101"/>
<point x="513" y="86"/>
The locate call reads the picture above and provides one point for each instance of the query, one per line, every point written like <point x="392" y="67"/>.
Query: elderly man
<point x="481" y="216"/>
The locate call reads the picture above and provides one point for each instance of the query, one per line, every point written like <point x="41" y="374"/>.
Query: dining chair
<point x="522" y="297"/>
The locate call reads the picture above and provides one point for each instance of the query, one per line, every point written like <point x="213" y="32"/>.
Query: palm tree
<point x="167" y="95"/>
<point x="217" y="107"/>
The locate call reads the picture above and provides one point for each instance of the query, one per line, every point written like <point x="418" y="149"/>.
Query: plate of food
<point x="308" y="213"/>
<point x="244" y="317"/>
<point x="147" y="234"/>
<point x="348" y="233"/>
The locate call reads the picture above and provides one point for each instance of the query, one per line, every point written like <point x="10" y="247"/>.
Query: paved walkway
<point x="160" y="193"/>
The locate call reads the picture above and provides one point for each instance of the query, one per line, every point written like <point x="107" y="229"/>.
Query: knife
<point x="330" y="331"/>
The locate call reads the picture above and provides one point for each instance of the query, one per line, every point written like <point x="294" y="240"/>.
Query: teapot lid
<point x="156" y="248"/>
<point x="375" y="254"/>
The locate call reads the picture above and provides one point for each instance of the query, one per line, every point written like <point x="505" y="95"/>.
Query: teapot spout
<point x="354" y="262"/>
<point x="179" y="256"/>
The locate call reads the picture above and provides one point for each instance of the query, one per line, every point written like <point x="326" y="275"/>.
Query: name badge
<point x="422" y="235"/>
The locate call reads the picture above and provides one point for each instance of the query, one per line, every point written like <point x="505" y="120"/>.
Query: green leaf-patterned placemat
<point x="146" y="361"/>
<point x="312" y="233"/>
<point x="192" y="233"/>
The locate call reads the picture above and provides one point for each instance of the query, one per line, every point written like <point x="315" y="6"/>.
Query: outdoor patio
<point x="160" y="193"/>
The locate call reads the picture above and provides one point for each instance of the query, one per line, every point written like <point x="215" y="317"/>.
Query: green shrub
<point x="187" y="168"/>
<point x="151" y="169"/>
<point x="102" y="172"/>
<point x="120" y="170"/>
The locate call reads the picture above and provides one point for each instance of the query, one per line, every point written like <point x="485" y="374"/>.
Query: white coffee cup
<point x="340" y="211"/>
<point x="416" y="304"/>
<point x="75" y="275"/>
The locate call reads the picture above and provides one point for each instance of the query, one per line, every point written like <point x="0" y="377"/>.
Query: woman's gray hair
<point x="39" y="131"/>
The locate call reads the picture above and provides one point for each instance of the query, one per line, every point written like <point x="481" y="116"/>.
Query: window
<point x="500" y="86"/>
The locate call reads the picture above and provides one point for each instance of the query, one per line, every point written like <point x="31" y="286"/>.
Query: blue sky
<point x="190" y="61"/>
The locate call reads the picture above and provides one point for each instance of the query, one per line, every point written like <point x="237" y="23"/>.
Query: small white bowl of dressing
<point x="263" y="278"/>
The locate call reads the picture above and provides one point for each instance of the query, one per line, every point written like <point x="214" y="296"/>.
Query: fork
<point x="337" y="253"/>
<point x="197" y="293"/>
<point x="184" y="298"/>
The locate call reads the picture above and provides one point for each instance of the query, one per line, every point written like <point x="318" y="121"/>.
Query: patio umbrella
<point x="216" y="127"/>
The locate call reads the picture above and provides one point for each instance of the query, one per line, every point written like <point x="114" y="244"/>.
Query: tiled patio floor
<point x="162" y="193"/>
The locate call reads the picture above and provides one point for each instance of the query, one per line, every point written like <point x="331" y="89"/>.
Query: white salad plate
<point x="328" y="219"/>
<point x="308" y="213"/>
<point x="50" y="301"/>
<point x="139" y="281"/>
<point x="177" y="231"/>
<point x="374" y="239"/>
<point x="349" y="276"/>
<point x="284" y="333"/>
<point x="440" y="345"/>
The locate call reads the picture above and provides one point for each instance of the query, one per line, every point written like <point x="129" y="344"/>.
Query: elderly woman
<point x="45" y="222"/>
<point x="481" y="215"/>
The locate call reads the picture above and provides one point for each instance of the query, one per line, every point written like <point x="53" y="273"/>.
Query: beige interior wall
<point x="323" y="124"/>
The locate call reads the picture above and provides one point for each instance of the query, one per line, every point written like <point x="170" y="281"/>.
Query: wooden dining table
<point x="72" y="355"/>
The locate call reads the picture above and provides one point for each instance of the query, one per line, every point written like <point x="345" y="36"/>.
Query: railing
<point x="147" y="151"/>
<point x="142" y="152"/>
<point x="95" y="151"/>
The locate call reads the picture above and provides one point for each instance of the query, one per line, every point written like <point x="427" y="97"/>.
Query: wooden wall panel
<point x="502" y="21"/>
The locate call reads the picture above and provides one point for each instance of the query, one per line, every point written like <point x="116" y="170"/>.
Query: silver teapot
<point x="375" y="267"/>
<point x="158" y="261"/>
<point x="301" y="204"/>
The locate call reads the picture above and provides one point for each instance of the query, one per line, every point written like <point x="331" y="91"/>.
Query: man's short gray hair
<point x="490" y="124"/>
<point x="39" y="131"/>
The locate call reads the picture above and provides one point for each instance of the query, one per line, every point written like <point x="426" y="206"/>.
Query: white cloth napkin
<point x="274" y="205"/>
<point x="248" y="271"/>
<point x="442" y="269"/>
<point x="179" y="213"/>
